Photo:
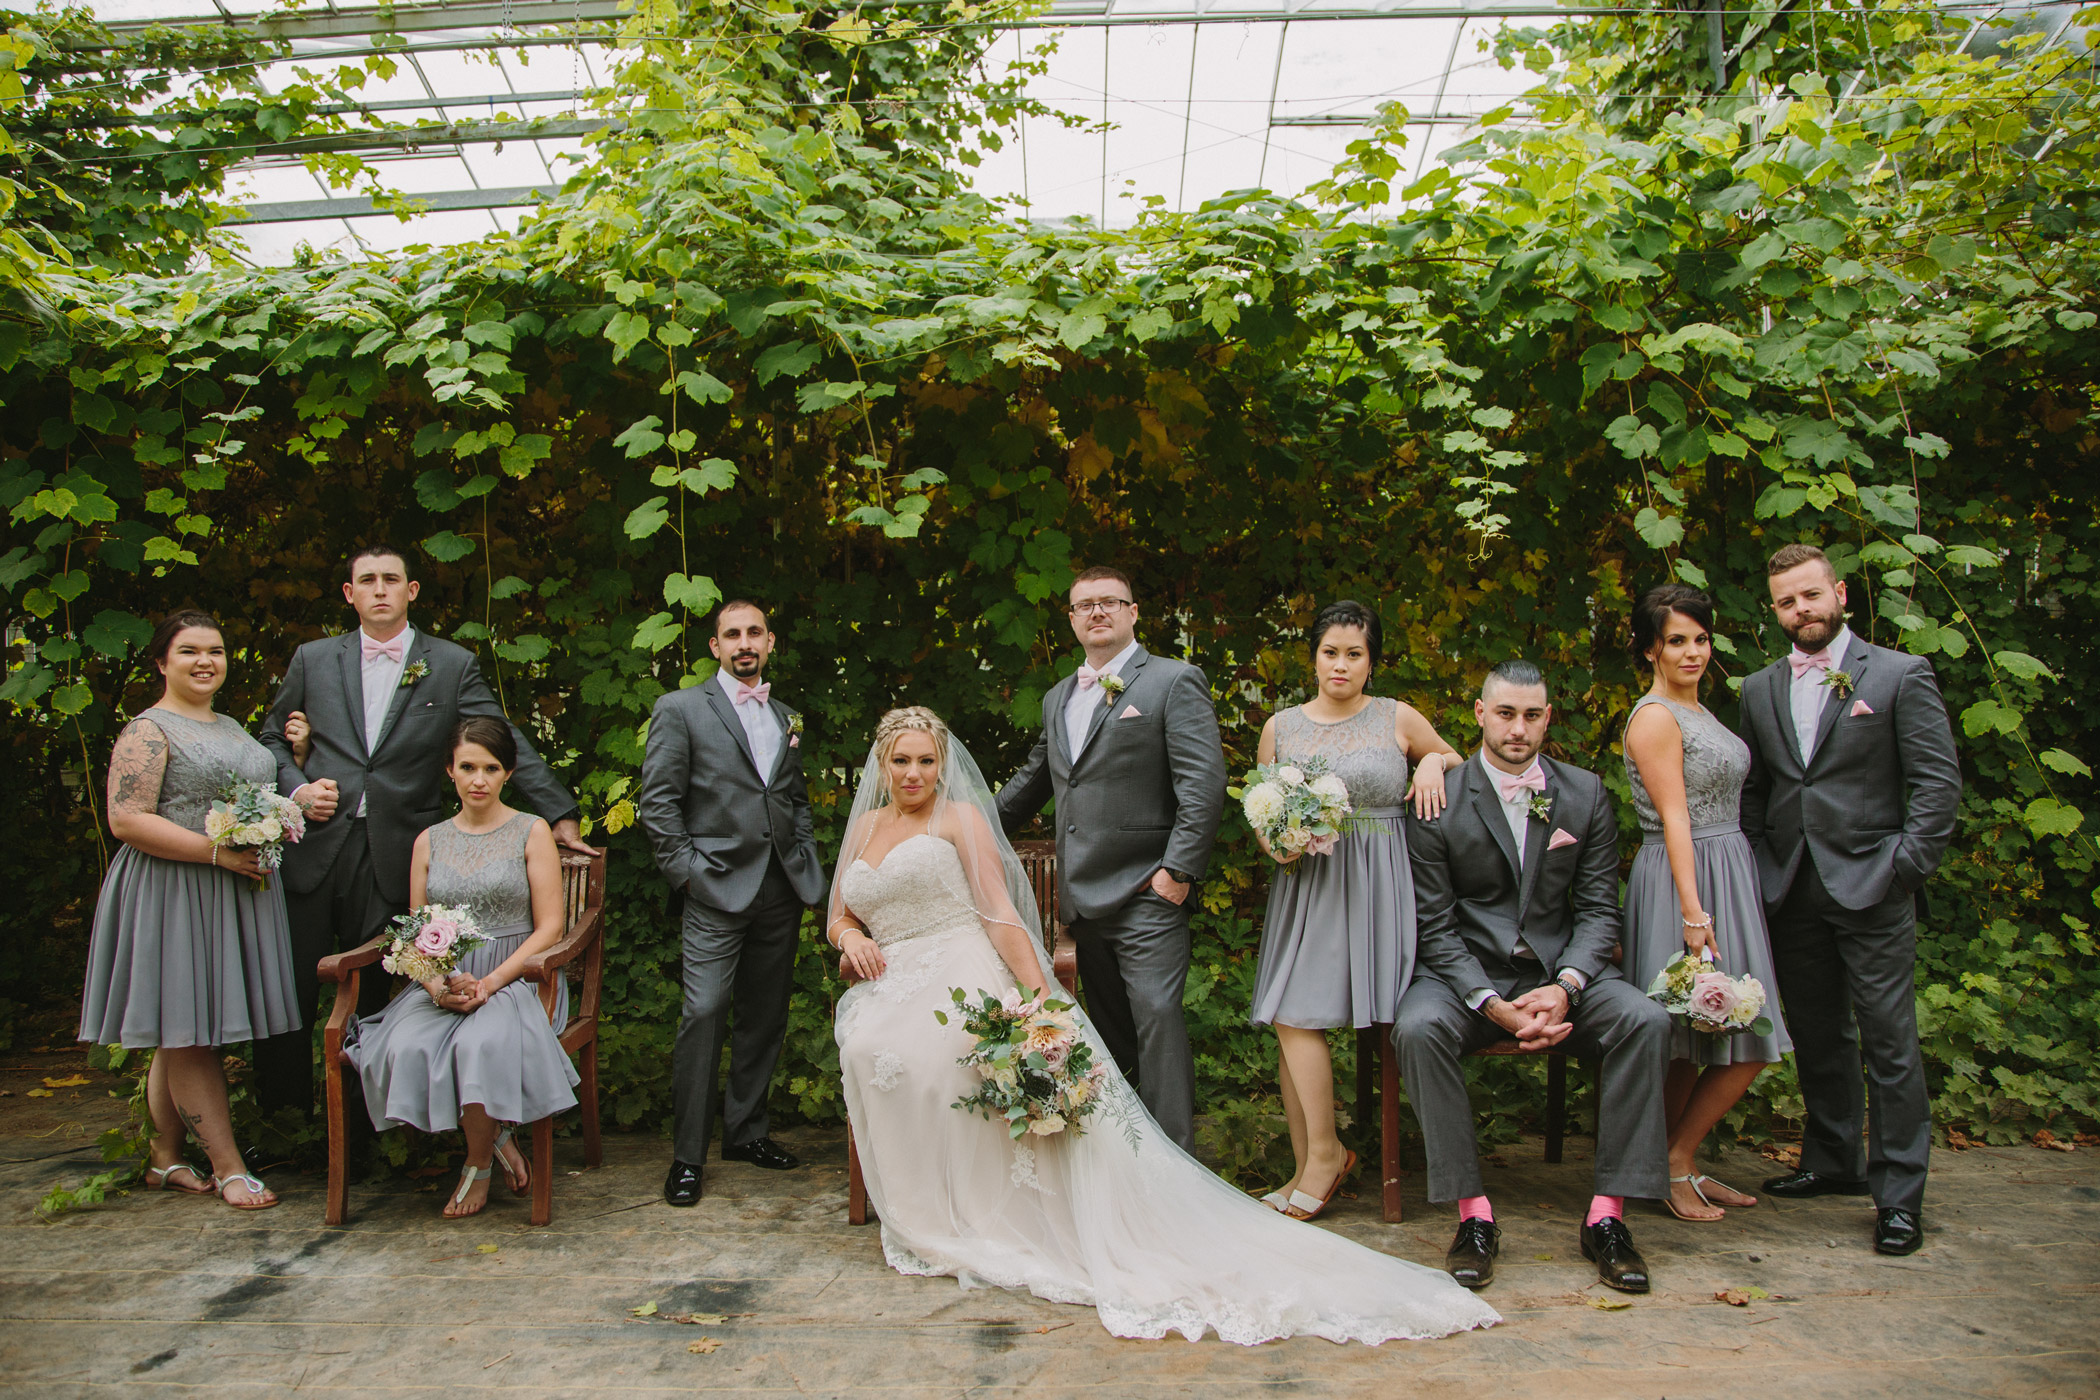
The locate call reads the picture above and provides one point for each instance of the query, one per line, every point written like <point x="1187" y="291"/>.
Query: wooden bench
<point x="579" y="954"/>
<point x="1039" y="863"/>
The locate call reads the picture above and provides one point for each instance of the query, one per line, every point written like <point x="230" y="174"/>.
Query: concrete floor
<point x="157" y="1294"/>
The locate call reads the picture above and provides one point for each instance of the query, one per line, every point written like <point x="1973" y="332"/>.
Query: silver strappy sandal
<point x="467" y="1179"/>
<point x="253" y="1183"/>
<point x="157" y="1180"/>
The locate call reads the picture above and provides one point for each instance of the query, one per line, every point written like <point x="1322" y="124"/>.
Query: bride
<point x="929" y="896"/>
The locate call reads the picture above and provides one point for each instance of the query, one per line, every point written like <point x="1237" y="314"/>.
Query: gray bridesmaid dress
<point x="419" y="1062"/>
<point x="1715" y="764"/>
<point x="1338" y="945"/>
<point x="183" y="953"/>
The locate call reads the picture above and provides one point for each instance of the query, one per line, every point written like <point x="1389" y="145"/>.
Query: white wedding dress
<point x="1119" y="1217"/>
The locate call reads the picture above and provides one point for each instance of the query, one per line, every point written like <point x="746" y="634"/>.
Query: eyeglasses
<point x="1104" y="606"/>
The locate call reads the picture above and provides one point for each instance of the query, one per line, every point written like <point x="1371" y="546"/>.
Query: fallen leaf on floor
<point x="647" y="1309"/>
<point x="74" y="1081"/>
<point x="2087" y="1140"/>
<point x="487" y="1248"/>
<point x="704" y="1346"/>
<point x="1734" y="1297"/>
<point x="2043" y="1138"/>
<point x="1546" y="1205"/>
<point x="1958" y="1140"/>
<point x="1543" y="1258"/>
<point x="39" y="1093"/>
<point x="698" y="1319"/>
<point x="1610" y="1304"/>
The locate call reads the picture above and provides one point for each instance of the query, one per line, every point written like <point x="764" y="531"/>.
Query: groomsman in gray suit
<point x="1130" y="751"/>
<point x="378" y="706"/>
<point x="1853" y="789"/>
<point x="1517" y="907"/>
<point x="727" y="813"/>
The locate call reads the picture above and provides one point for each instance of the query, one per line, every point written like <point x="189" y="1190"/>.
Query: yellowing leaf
<point x="487" y="1248"/>
<point x="647" y="1309"/>
<point x="71" y="1081"/>
<point x="704" y="1346"/>
<point x="1610" y="1304"/>
<point x="39" y="1094"/>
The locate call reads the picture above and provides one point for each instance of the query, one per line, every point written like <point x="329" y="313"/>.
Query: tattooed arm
<point x="136" y="767"/>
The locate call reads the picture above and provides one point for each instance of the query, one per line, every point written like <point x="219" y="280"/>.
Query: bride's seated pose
<point x="929" y="896"/>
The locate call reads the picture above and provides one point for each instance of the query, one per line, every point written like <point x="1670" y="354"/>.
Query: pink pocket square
<point x="1129" y="712"/>
<point x="1861" y="707"/>
<point x="794" y="741"/>
<point x="1560" y="839"/>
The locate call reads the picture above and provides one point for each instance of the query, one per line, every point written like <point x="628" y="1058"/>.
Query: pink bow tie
<point x="1089" y="677"/>
<point x="1804" y="662"/>
<point x="392" y="651"/>
<point x="753" y="694"/>
<point x="1532" y="779"/>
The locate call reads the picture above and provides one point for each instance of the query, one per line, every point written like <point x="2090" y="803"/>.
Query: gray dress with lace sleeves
<point x="185" y="954"/>
<point x="419" y="1062"/>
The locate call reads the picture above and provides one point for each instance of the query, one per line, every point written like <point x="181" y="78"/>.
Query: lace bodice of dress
<point x="1366" y="756"/>
<point x="201" y="757"/>
<point x="1715" y="764"/>
<point x="486" y="873"/>
<point x="918" y="890"/>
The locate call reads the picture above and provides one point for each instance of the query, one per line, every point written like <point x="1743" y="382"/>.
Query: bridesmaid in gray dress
<point x="477" y="1052"/>
<point x="1338" y="943"/>
<point x="1694" y="884"/>
<point x="189" y="951"/>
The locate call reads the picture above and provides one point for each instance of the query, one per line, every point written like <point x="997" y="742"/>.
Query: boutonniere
<point x="413" y="672"/>
<point x="1111" y="687"/>
<point x="1542" y="807"/>
<point x="794" y="724"/>
<point x="1839" y="681"/>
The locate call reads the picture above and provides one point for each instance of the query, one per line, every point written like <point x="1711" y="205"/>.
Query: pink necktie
<point x="1532" y="779"/>
<point x="1804" y="662"/>
<point x="1088" y="677"/>
<point x="392" y="651"/>
<point x="753" y="694"/>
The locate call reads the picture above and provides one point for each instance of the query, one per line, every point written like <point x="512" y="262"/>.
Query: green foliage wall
<point x="768" y="345"/>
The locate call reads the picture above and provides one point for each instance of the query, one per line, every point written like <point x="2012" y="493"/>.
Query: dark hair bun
<point x="490" y="733"/>
<point x="1346" y="613"/>
<point x="1651" y="615"/>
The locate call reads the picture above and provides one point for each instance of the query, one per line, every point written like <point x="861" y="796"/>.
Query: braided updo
<point x="905" y="720"/>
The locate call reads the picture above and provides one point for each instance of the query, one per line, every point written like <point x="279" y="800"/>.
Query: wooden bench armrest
<point x="541" y="967"/>
<point x="337" y="966"/>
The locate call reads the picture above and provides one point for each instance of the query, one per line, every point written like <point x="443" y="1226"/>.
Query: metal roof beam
<point x="399" y="19"/>
<point x="307" y="210"/>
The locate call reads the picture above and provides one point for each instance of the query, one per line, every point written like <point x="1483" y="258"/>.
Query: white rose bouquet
<point x="1709" y="999"/>
<point x="252" y="815"/>
<point x="1298" y="808"/>
<point x="1039" y="1075"/>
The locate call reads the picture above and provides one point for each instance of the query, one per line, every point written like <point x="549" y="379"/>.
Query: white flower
<point x="1331" y="788"/>
<point x="1045" y="1126"/>
<point x="1264" y="804"/>
<point x="217" y="823"/>
<point x="1291" y="774"/>
<point x="271" y="830"/>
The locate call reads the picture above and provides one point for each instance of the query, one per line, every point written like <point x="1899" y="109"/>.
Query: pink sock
<point x="1601" y="1206"/>
<point x="1476" y="1208"/>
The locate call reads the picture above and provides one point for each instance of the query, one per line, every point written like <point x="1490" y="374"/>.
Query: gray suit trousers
<point x="1847" y="978"/>
<point x="1435" y="1032"/>
<point x="1133" y="965"/>
<point x="743" y="962"/>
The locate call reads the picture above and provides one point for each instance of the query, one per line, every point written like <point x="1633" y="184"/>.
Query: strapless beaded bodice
<point x="918" y="890"/>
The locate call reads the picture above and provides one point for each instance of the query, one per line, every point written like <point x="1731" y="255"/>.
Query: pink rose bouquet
<point x="1708" y="999"/>
<point x="428" y="942"/>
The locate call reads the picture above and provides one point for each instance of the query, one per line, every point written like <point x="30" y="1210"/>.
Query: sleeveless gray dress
<point x="420" y="1062"/>
<point x="1338" y="945"/>
<point x="183" y="953"/>
<point x="1715" y="764"/>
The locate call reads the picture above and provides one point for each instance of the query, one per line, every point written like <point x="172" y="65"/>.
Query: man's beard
<point x="1803" y="636"/>
<point x="1501" y="751"/>
<point x="744" y="663"/>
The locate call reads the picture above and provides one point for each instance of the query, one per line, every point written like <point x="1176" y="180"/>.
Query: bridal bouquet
<point x="1297" y="807"/>
<point x="1709" y="999"/>
<point x="252" y="814"/>
<point x="1039" y="1076"/>
<point x="429" y="941"/>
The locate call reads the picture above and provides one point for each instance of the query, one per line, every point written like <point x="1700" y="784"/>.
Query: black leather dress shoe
<point x="1619" y="1265"/>
<point x="682" y="1186"/>
<point x="1471" y="1260"/>
<point x="1897" y="1231"/>
<point x="761" y="1152"/>
<point x="1799" y="1186"/>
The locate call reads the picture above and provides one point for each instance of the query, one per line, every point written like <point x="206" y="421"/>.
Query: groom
<point x="1130" y="750"/>
<point x="380" y="703"/>
<point x="727" y="814"/>
<point x="1849" y="806"/>
<point x="1517" y="903"/>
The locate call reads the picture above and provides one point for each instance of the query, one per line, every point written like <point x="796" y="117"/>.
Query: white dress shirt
<point x="760" y="727"/>
<point x="381" y="677"/>
<point x="1079" y="710"/>
<point x="1810" y="694"/>
<point x="1517" y="812"/>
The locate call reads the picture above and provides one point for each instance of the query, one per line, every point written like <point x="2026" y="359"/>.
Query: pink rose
<point x="1713" y="996"/>
<point x="1322" y="845"/>
<point x="437" y="938"/>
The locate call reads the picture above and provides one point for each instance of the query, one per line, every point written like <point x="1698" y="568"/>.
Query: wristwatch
<point x="1180" y="877"/>
<point x="1567" y="984"/>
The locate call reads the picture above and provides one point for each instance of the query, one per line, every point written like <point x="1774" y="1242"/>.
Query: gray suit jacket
<point x="1146" y="792"/>
<point x="1473" y="902"/>
<point x="401" y="771"/>
<point x="713" y="826"/>
<point x="1876" y="804"/>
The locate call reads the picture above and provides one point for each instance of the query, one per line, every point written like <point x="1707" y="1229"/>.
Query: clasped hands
<point x="1538" y="1020"/>
<point x="459" y="992"/>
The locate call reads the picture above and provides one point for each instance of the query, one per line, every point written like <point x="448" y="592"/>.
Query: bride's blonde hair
<point x="910" y="719"/>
